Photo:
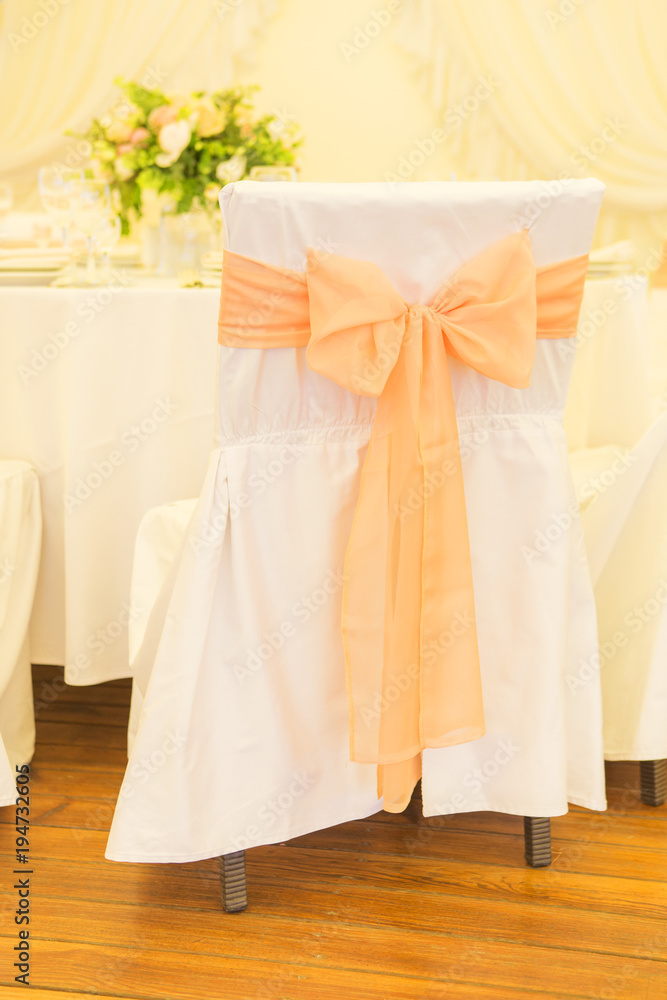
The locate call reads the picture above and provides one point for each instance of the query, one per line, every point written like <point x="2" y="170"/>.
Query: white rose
<point x="173" y="138"/>
<point x="231" y="170"/>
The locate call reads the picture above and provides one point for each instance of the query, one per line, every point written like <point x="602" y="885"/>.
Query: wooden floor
<point x="392" y="908"/>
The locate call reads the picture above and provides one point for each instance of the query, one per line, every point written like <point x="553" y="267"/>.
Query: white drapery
<point x="552" y="88"/>
<point x="58" y="61"/>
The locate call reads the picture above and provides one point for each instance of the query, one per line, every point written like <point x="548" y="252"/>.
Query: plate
<point x="27" y="277"/>
<point x="32" y="264"/>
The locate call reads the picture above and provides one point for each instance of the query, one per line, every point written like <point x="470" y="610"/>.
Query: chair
<point x="159" y="538"/>
<point x="20" y="543"/>
<point x="625" y="527"/>
<point x="619" y="462"/>
<point x="244" y="735"/>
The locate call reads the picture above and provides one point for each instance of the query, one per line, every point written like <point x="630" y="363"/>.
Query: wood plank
<point x="52" y="691"/>
<point x="547" y="885"/>
<point x="428" y="954"/>
<point x="19" y="993"/>
<point x="447" y="842"/>
<point x="159" y="928"/>
<point x="629" y="827"/>
<point x="50" y="734"/>
<point x="75" y="757"/>
<point x="452" y="845"/>
<point x="65" y="782"/>
<point x="615" y="894"/>
<point x="120" y="970"/>
<point x="188" y="890"/>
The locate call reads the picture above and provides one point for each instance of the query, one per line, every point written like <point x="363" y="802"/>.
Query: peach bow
<point x="408" y="618"/>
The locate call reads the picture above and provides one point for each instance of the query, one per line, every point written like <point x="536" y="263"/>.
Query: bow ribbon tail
<point x="451" y="690"/>
<point x="381" y="598"/>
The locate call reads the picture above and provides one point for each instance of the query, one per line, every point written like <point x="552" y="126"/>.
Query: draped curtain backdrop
<point x="58" y="60"/>
<point x="552" y="88"/>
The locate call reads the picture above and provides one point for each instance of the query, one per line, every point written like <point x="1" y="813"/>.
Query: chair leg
<point x="537" y="836"/>
<point x="653" y="778"/>
<point x="232" y="879"/>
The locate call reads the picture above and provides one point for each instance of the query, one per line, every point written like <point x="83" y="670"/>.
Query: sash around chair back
<point x="408" y="620"/>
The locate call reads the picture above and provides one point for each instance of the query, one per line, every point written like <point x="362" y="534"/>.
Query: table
<point x="109" y="393"/>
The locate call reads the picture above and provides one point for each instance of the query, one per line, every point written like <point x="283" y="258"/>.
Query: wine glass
<point x="56" y="189"/>
<point x="91" y="205"/>
<point x="106" y="236"/>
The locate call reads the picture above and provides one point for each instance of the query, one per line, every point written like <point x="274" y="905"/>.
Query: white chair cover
<point x="20" y="543"/>
<point x="243" y="738"/>
<point x="623" y="492"/>
<point x="158" y="541"/>
<point x="619" y="465"/>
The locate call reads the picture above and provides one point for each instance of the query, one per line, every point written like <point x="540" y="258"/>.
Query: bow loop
<point x="357" y="320"/>
<point x="488" y="311"/>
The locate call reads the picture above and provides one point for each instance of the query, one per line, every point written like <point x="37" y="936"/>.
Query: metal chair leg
<point x="537" y="836"/>
<point x="653" y="779"/>
<point x="232" y="880"/>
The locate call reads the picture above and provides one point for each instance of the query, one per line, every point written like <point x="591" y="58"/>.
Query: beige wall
<point x="360" y="108"/>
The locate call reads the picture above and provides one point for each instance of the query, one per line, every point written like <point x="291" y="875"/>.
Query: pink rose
<point x="140" y="136"/>
<point x="124" y="147"/>
<point x="165" y="114"/>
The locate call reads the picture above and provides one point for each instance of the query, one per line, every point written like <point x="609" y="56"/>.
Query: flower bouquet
<point x="187" y="147"/>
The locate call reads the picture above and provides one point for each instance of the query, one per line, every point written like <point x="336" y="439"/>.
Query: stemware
<point x="91" y="204"/>
<point x="278" y="172"/>
<point x="57" y="189"/>
<point x="106" y="236"/>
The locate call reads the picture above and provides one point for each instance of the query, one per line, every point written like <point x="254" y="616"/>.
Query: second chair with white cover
<point x="244" y="736"/>
<point x="619" y="461"/>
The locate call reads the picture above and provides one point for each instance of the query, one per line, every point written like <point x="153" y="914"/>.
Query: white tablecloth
<point x="109" y="393"/>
